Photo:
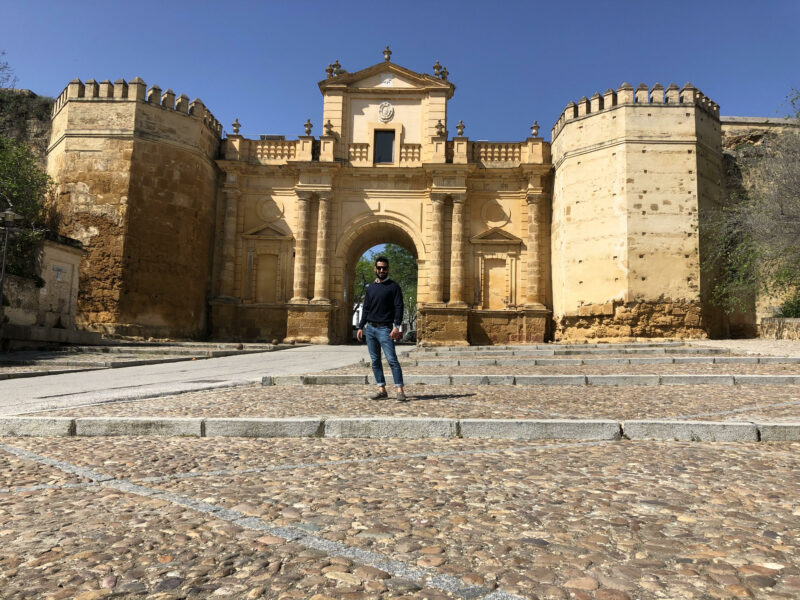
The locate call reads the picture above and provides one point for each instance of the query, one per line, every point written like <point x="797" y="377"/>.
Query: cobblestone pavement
<point x="341" y="519"/>
<point x="704" y="402"/>
<point x="331" y="519"/>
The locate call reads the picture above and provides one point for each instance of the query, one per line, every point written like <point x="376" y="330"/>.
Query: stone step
<point x="656" y="360"/>
<point x="500" y="379"/>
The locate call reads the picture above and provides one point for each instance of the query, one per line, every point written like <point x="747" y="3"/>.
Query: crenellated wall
<point x="137" y="185"/>
<point x="632" y="168"/>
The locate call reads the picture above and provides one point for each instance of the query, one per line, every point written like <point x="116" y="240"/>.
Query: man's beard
<point x="382" y="275"/>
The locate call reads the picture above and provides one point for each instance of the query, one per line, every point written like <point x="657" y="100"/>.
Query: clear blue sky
<point x="512" y="62"/>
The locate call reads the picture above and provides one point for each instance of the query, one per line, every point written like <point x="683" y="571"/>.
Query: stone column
<point x="300" y="289"/>
<point x="534" y="293"/>
<point x="457" y="253"/>
<point x="322" y="268"/>
<point x="435" y="261"/>
<point x="230" y="226"/>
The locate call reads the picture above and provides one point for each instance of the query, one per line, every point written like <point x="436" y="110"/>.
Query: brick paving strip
<point x="422" y="577"/>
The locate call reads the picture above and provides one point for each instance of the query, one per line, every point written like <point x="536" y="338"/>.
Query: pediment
<point x="387" y="75"/>
<point x="269" y="232"/>
<point x="495" y="235"/>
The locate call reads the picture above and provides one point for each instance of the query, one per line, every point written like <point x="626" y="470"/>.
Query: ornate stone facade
<point x="192" y="234"/>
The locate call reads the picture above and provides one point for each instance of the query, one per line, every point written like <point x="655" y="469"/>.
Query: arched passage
<point x="357" y="239"/>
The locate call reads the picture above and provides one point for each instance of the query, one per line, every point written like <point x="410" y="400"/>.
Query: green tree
<point x="24" y="187"/>
<point x="403" y="269"/>
<point x="753" y="240"/>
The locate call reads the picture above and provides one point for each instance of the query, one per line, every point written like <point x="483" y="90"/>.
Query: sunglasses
<point x="381" y="268"/>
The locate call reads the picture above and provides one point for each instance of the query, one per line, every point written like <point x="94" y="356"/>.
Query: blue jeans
<point x="377" y="338"/>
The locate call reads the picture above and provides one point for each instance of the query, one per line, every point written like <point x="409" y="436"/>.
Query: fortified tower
<point x="632" y="170"/>
<point x="136" y="184"/>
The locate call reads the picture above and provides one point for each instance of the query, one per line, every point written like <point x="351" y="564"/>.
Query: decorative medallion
<point x="385" y="112"/>
<point x="494" y="214"/>
<point x="270" y="210"/>
<point x="386" y="80"/>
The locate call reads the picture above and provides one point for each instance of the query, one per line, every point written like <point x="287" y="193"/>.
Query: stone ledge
<point x="540" y="429"/>
<point x="402" y="427"/>
<point x="264" y="428"/>
<point x="779" y="432"/>
<point x="389" y="427"/>
<point x="622" y="379"/>
<point x="595" y="380"/>
<point x="147" y="426"/>
<point x="37" y="426"/>
<point x="691" y="431"/>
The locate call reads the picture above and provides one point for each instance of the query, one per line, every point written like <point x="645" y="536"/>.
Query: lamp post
<point x="7" y="217"/>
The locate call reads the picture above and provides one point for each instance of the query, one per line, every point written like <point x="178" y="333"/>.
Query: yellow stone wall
<point x="249" y="239"/>
<point x="629" y="179"/>
<point x="137" y="186"/>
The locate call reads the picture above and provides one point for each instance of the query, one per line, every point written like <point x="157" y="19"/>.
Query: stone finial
<point x="571" y="111"/>
<point x="535" y="129"/>
<point x="168" y="99"/>
<point x="328" y="128"/>
<point x="672" y="95"/>
<point x="137" y="89"/>
<point x="236" y="126"/>
<point x="460" y="128"/>
<point x="440" y="128"/>
<point x="75" y="88"/>
<point x="154" y="95"/>
<point x="197" y="108"/>
<point x="120" y="88"/>
<point x="688" y="93"/>
<point x="92" y="89"/>
<point x="625" y="93"/>
<point x="445" y="73"/>
<point x="307" y="126"/>
<point x="182" y="104"/>
<point x="609" y="98"/>
<point x="583" y="106"/>
<point x="329" y="71"/>
<point x="387" y="54"/>
<point x="596" y="102"/>
<point x="642" y="94"/>
<point x="657" y="94"/>
<point x="437" y="69"/>
<point x="337" y="68"/>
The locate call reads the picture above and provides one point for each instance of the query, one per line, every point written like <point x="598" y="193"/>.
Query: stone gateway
<point x="192" y="234"/>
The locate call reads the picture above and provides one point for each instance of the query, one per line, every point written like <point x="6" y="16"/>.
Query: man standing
<point x="381" y="318"/>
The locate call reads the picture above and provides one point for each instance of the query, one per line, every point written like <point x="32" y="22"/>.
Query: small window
<point x="384" y="147"/>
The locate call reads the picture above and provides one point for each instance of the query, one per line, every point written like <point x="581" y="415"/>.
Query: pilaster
<point x="228" y="273"/>
<point x="534" y="292"/>
<point x="321" y="270"/>
<point x="436" y="264"/>
<point x="300" y="287"/>
<point x="457" y="254"/>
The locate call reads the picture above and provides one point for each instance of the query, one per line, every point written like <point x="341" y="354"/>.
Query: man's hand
<point x="359" y="335"/>
<point x="395" y="334"/>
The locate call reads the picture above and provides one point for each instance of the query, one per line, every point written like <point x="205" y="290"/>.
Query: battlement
<point x="627" y="95"/>
<point x="135" y="90"/>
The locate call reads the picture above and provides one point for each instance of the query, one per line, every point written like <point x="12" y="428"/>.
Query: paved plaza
<point x="145" y="515"/>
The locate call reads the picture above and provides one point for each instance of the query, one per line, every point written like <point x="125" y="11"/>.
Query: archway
<point x="362" y="237"/>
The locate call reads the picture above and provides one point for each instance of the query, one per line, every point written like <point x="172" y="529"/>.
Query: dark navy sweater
<point x="383" y="303"/>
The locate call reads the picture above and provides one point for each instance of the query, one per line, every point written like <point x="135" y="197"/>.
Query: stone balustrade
<point x="359" y="155"/>
<point x="497" y="154"/>
<point x="274" y="152"/>
<point x="410" y="155"/>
